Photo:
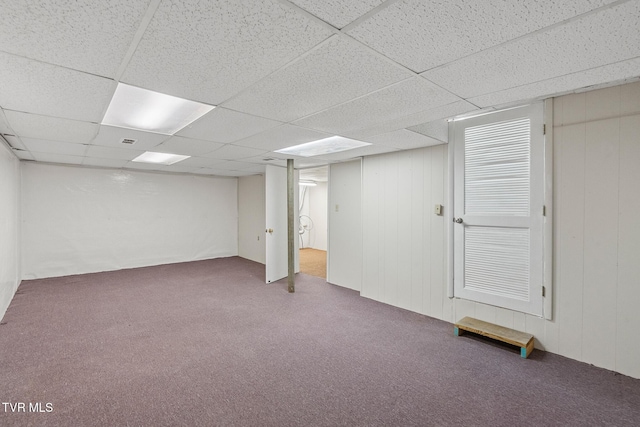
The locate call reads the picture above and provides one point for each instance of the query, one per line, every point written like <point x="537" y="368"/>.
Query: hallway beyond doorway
<point x="313" y="262"/>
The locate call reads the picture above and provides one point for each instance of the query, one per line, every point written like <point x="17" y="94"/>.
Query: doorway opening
<point x="312" y="232"/>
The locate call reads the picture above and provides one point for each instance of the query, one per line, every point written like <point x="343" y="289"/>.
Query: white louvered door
<point x="498" y="209"/>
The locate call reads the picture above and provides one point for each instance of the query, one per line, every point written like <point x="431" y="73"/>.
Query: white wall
<point x="251" y="218"/>
<point x="404" y="257"/>
<point x="345" y="225"/>
<point x="318" y="213"/>
<point x="9" y="227"/>
<point x="596" y="236"/>
<point x="315" y="207"/>
<point x="79" y="220"/>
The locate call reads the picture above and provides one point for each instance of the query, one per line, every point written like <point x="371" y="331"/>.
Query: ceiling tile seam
<point x="133" y="46"/>
<point x="393" y="128"/>
<point x="308" y="15"/>
<point x="551" y="78"/>
<point x="532" y="33"/>
<point x="46" y="115"/>
<point x="283" y="67"/>
<point x="461" y="98"/>
<point x="292" y="122"/>
<point x="57" y="65"/>
<point x="379" y="54"/>
<point x="367" y="15"/>
<point x="10" y="147"/>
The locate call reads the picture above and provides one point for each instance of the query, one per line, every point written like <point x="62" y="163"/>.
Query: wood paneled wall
<point x="596" y="301"/>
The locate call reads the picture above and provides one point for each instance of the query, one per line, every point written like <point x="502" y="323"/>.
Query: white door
<point x="276" y="223"/>
<point x="498" y="209"/>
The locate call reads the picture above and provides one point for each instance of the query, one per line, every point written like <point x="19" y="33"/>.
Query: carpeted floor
<point x="313" y="262"/>
<point x="208" y="343"/>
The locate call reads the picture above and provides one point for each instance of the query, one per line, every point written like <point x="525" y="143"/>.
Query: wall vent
<point x="128" y="141"/>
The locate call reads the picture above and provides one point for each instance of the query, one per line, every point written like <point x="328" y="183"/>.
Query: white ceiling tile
<point x="58" y="158"/>
<point x="39" y="88"/>
<point x="55" y="147"/>
<point x="181" y="168"/>
<point x="557" y="85"/>
<point x="442" y="112"/>
<point x="231" y="165"/>
<point x="187" y="146"/>
<point x="112" y="152"/>
<point x="598" y="39"/>
<point x="232" y="152"/>
<point x="111" y="136"/>
<point x="87" y="35"/>
<point x="51" y="128"/>
<point x="106" y="163"/>
<point x="338" y="12"/>
<point x="15" y="142"/>
<point x="225" y="126"/>
<point x="438" y="129"/>
<point x="201" y="162"/>
<point x="422" y="35"/>
<point x="4" y="125"/>
<point x="210" y="51"/>
<point x="281" y="137"/>
<point x="403" y="139"/>
<point x="369" y="150"/>
<point x="24" y="155"/>
<point x="400" y="100"/>
<point x="337" y="71"/>
<point x="266" y="159"/>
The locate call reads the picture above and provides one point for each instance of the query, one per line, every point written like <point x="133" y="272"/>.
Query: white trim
<point x="448" y="212"/>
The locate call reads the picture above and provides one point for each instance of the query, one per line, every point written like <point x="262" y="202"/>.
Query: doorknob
<point x="458" y="220"/>
<point x="270" y="230"/>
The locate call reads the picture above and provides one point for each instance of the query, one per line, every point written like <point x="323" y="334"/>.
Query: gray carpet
<point x="208" y="343"/>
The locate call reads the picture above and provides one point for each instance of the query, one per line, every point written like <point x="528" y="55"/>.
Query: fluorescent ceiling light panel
<point x="141" y="109"/>
<point x="333" y="144"/>
<point x="159" y="158"/>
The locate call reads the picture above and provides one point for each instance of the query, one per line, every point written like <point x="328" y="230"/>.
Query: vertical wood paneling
<point x="427" y="159"/>
<point x="596" y="245"/>
<point x="504" y="317"/>
<point x="417" y="229"/>
<point x="463" y="308"/>
<point x="438" y="254"/>
<point x="370" y="227"/>
<point x="600" y="242"/>
<point x="535" y="326"/>
<point x="628" y="319"/>
<point x="488" y="313"/>
<point x="390" y="230"/>
<point x="406" y="193"/>
<point x="569" y="225"/>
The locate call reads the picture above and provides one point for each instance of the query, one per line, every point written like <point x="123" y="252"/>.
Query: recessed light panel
<point x="333" y="144"/>
<point x="159" y="158"/>
<point x="141" y="109"/>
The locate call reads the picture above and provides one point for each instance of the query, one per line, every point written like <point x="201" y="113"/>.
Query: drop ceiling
<point x="281" y="73"/>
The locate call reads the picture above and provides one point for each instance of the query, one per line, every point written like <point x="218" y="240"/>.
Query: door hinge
<point x="544" y="129"/>
<point x="544" y="210"/>
<point x="544" y="290"/>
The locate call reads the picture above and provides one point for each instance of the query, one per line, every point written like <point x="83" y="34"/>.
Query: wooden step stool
<point x="500" y="333"/>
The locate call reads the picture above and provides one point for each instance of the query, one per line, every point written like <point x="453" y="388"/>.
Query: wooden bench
<point x="500" y="333"/>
